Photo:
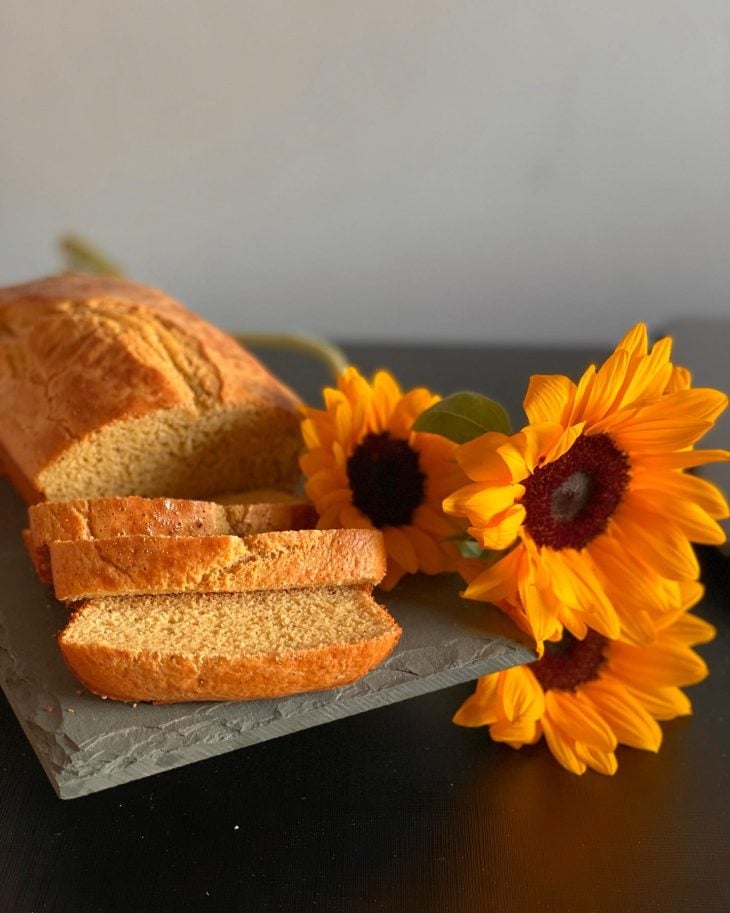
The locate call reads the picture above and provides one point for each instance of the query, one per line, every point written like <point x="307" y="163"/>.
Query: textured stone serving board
<point x="86" y="744"/>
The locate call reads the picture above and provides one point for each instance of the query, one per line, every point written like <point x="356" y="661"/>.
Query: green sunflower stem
<point x="330" y="355"/>
<point x="81" y="256"/>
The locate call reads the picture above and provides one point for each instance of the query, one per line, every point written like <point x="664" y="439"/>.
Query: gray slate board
<point x="86" y="744"/>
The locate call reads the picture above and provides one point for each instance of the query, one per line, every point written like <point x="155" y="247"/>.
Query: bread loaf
<point x="229" y="646"/>
<point x="213" y="564"/>
<point x="112" y="388"/>
<point x="241" y="513"/>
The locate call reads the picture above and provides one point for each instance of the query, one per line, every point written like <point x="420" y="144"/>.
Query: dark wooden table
<point x="396" y="809"/>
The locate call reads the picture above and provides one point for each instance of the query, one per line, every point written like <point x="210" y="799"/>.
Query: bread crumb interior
<point x="253" y="623"/>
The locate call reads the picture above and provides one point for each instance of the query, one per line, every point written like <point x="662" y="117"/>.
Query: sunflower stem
<point x="81" y="256"/>
<point x="329" y="354"/>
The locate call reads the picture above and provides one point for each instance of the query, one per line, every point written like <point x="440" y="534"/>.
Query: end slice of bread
<point x="230" y="646"/>
<point x="135" y="565"/>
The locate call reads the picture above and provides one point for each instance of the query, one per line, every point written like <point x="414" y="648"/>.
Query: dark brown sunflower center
<point x="569" y="501"/>
<point x="570" y="662"/>
<point x="386" y="479"/>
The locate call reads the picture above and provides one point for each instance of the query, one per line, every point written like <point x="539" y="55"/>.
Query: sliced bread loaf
<point x="243" y="513"/>
<point x="266" y="510"/>
<point x="213" y="564"/>
<point x="108" y="387"/>
<point x="229" y="646"/>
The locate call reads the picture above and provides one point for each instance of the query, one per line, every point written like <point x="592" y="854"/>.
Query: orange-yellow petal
<point x="580" y="720"/>
<point x="631" y="723"/>
<point x="520" y="694"/>
<point x="664" y="663"/>
<point x="603" y="762"/>
<point x="481" y="460"/>
<point x="400" y="547"/>
<point x="548" y="398"/>
<point x="562" y="747"/>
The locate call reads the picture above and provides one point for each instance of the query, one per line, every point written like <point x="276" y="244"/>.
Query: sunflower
<point x="365" y="467"/>
<point x="588" y="696"/>
<point x="590" y="503"/>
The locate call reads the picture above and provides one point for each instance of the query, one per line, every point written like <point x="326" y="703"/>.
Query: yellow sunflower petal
<point x="343" y="424"/>
<point x="562" y="581"/>
<point x="513" y="454"/>
<point x="433" y="521"/>
<point x="603" y="762"/>
<point x="691" y="630"/>
<point x="481" y="461"/>
<point x="634" y="592"/>
<point x="663" y="703"/>
<point x="549" y="397"/>
<point x="503" y="530"/>
<point x="605" y="387"/>
<point x="686" y="459"/>
<point x="686" y="516"/>
<point x="542" y="441"/>
<point x="482" y="503"/>
<point x="649" y="375"/>
<point x="520" y="694"/>
<point x="562" y="747"/>
<point x="400" y="547"/>
<point x="323" y="481"/>
<point x="310" y="434"/>
<point x="631" y="723"/>
<point x="483" y="707"/>
<point x="573" y="622"/>
<point x="392" y="576"/>
<point x="591" y="594"/>
<point x="498" y="581"/>
<point x="581" y="394"/>
<point x="324" y="502"/>
<point x="664" y="663"/>
<point x="386" y="394"/>
<point x="681" y="486"/>
<point x="659" y="546"/>
<point x="540" y="611"/>
<point x="515" y="734"/>
<point x="680" y="379"/>
<point x="671" y="422"/>
<point x="340" y="456"/>
<point x="352" y="518"/>
<point x="315" y="461"/>
<point x="407" y="410"/>
<point x="636" y="341"/>
<point x="580" y="720"/>
<point x="690" y="593"/>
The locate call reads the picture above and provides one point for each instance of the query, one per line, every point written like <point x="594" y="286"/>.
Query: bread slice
<point x="213" y="564"/>
<point x="266" y="510"/>
<point x="226" y="647"/>
<point x="108" y="387"/>
<point x="241" y="513"/>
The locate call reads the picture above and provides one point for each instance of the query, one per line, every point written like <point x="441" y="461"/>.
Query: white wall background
<point x="502" y="169"/>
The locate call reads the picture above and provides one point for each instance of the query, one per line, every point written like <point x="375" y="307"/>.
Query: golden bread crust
<point x="215" y="564"/>
<point x="81" y="353"/>
<point x="108" y="518"/>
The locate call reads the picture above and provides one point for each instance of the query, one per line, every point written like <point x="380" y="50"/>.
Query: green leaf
<point x="463" y="417"/>
<point x="470" y="548"/>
